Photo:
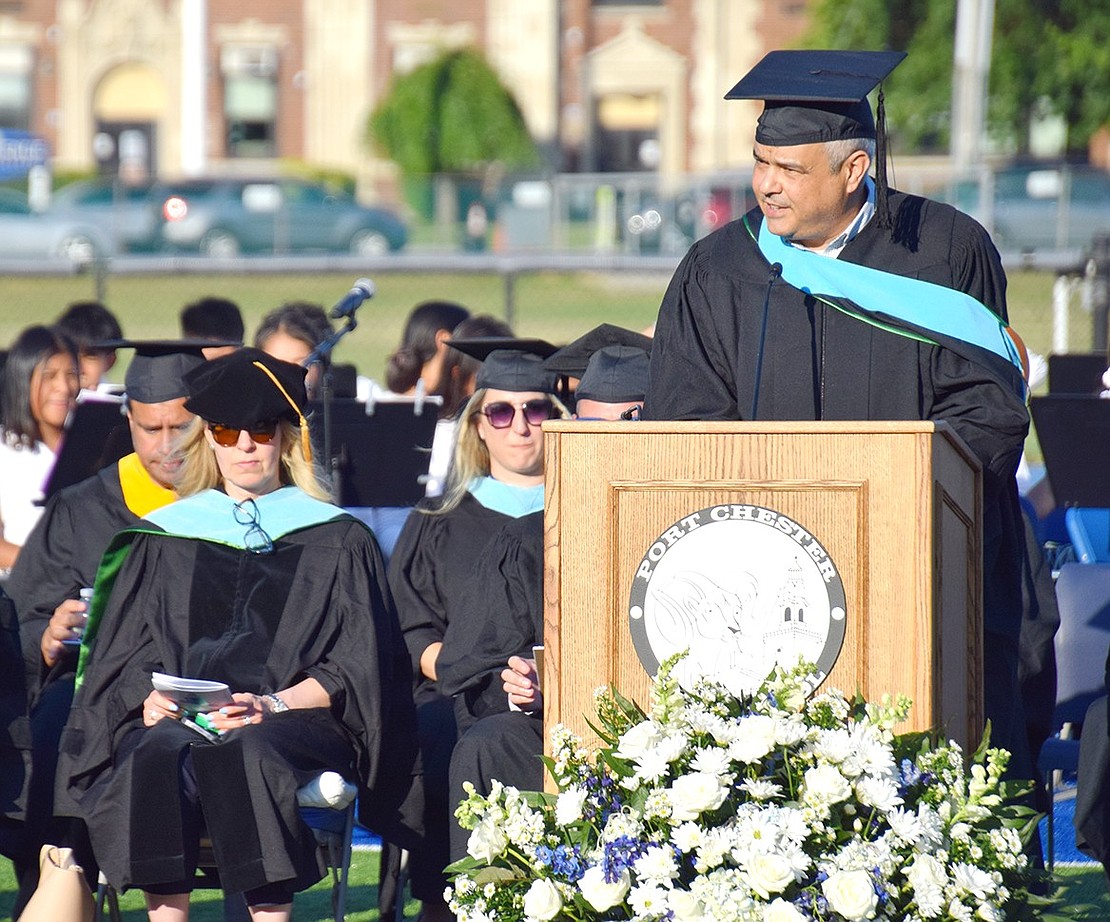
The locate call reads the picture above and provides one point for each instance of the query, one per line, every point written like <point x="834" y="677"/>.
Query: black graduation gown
<point x="820" y="364"/>
<point x="318" y="606"/>
<point x="15" y="736"/>
<point x="60" y="556"/>
<point x="430" y="563"/>
<point x="500" y="614"/>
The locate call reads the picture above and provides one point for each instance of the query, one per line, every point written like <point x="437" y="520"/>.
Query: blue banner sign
<point x="19" y="151"/>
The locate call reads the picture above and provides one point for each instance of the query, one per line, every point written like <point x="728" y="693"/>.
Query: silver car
<point x="25" y="233"/>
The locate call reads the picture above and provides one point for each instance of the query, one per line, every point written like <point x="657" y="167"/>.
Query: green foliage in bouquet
<point x="780" y="807"/>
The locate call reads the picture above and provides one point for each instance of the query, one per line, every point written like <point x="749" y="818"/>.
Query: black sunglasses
<point x="262" y="433"/>
<point x="502" y="413"/>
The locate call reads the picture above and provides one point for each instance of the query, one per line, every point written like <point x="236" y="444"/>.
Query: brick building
<point x="190" y="86"/>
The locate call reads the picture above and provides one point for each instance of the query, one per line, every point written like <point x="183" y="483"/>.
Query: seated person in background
<point x="497" y="477"/>
<point x="217" y="319"/>
<point x="39" y="389"/>
<point x="256" y="581"/>
<point x="611" y="365"/>
<point x="291" y="333"/>
<point x="460" y="372"/>
<point x="61" y="556"/>
<point x="91" y="326"/>
<point x="420" y="358"/>
<point x="499" y="615"/>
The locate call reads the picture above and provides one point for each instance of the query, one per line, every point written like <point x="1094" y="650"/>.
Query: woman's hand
<point x="157" y="706"/>
<point x="521" y="684"/>
<point x="245" y="710"/>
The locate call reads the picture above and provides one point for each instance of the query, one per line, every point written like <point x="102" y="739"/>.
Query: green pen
<point x="202" y="720"/>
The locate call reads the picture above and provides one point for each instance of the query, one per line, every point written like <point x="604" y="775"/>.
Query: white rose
<point x="753" y="738"/>
<point x="824" y="784"/>
<point x="637" y="740"/>
<point x="851" y="894"/>
<point x="487" y="841"/>
<point x="769" y="873"/>
<point x="781" y="911"/>
<point x="601" y="894"/>
<point x="685" y="906"/>
<point x="568" y="806"/>
<point x="695" y="793"/>
<point x="542" y="901"/>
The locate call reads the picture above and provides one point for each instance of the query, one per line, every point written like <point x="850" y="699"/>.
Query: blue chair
<point x="1089" y="531"/>
<point x="1081" y="644"/>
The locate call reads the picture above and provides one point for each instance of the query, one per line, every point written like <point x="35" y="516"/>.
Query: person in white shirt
<point x="40" y="384"/>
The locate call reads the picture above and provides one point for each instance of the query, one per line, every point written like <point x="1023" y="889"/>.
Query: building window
<point x="250" y="100"/>
<point x="15" y="87"/>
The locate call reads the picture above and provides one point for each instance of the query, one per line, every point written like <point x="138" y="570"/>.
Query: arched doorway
<point x="129" y="103"/>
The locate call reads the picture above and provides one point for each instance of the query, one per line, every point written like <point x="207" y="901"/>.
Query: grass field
<point x="551" y="305"/>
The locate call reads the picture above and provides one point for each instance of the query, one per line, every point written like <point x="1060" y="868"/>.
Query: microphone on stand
<point x="776" y="273"/>
<point x="362" y="290"/>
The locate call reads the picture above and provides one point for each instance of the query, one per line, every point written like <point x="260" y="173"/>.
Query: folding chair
<point x="1081" y="644"/>
<point x="1089" y="531"/>
<point x="327" y="806"/>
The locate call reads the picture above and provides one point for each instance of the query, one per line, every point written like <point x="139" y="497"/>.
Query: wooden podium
<point x="896" y="505"/>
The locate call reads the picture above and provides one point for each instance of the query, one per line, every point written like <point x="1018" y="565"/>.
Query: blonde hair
<point x="471" y="457"/>
<point x="200" y="472"/>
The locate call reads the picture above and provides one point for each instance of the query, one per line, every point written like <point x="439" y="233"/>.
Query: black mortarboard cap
<point x="479" y="347"/>
<point x="513" y="370"/>
<point x="615" y="374"/>
<point x="573" y="358"/>
<point x="814" y="96"/>
<point x="158" y="368"/>
<point x="247" y="387"/>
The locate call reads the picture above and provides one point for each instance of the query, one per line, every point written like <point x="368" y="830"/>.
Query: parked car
<point x="1040" y="207"/>
<point x="130" y="213"/>
<point x="226" y="217"/>
<point x="27" y="233"/>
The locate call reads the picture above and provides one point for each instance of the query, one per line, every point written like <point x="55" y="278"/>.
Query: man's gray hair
<point x="839" y="151"/>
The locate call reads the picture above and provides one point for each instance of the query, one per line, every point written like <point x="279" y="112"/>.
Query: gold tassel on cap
<point x="306" y="442"/>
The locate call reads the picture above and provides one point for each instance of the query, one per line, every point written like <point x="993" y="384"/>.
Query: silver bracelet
<point x="275" y="703"/>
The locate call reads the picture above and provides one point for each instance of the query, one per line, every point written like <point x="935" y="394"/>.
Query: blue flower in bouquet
<point x="778" y="807"/>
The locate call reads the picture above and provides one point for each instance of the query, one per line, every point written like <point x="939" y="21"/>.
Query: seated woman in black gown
<point x="496" y="477"/>
<point x="254" y="580"/>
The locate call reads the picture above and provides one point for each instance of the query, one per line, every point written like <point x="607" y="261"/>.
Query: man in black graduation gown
<point x="61" y="556"/>
<point x="839" y="299"/>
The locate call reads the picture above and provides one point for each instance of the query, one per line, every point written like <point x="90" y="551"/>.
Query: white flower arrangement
<point x="777" y="808"/>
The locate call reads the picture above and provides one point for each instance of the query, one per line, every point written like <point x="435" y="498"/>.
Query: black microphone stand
<point x="322" y="354"/>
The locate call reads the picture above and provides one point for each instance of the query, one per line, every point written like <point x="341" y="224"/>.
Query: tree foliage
<point x="451" y="115"/>
<point x="1049" y="57"/>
